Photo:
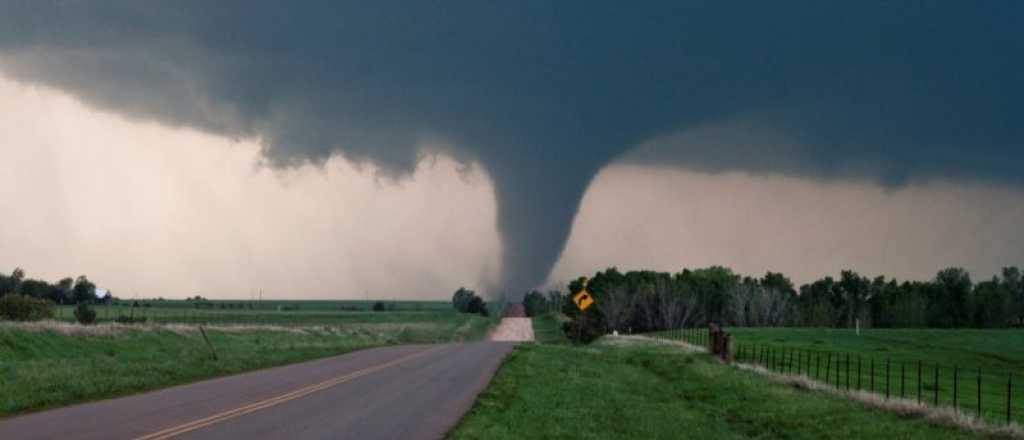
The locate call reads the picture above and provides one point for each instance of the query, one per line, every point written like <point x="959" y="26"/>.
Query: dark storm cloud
<point x="543" y="94"/>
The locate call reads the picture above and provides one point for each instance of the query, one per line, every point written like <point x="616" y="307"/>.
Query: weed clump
<point x="24" y="308"/>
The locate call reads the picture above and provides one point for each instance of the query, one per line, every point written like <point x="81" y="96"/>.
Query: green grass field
<point x="989" y="355"/>
<point x="608" y="391"/>
<point x="46" y="365"/>
<point x="301" y="313"/>
<point x="264" y="312"/>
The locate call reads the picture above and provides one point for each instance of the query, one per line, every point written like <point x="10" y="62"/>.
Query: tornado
<point x="537" y="202"/>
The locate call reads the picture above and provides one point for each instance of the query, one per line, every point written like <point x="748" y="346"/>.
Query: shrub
<point x="461" y="299"/>
<point x="478" y="305"/>
<point x="379" y="306"/>
<point x="466" y="301"/>
<point x="585" y="335"/>
<point x="85" y="314"/>
<point x="24" y="308"/>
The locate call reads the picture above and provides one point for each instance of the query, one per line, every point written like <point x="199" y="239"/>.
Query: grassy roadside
<point x="45" y="365"/>
<point x="547" y="329"/>
<point x="612" y="392"/>
<point x="988" y="356"/>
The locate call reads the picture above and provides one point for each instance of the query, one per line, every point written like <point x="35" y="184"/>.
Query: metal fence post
<point x="817" y="362"/>
<point x="1009" y="397"/>
<point x="828" y="367"/>
<point x="847" y="371"/>
<point x="919" y="382"/>
<point x="887" y="376"/>
<point x="808" y="370"/>
<point x="858" y="373"/>
<point x="956" y="384"/>
<point x="979" y="393"/>
<point x="936" y="402"/>
<point x="903" y="379"/>
<point x="872" y="375"/>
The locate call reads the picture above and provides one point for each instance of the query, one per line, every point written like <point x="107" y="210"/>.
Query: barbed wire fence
<point x="989" y="395"/>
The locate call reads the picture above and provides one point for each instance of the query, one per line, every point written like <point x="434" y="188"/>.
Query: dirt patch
<point x="513" y="329"/>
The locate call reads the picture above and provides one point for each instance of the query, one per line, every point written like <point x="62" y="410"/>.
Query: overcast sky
<point x="153" y="211"/>
<point x="336" y="149"/>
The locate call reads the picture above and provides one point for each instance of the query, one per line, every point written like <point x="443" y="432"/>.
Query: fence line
<point x="993" y="396"/>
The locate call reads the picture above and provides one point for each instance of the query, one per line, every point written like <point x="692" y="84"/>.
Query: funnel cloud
<point x="544" y="95"/>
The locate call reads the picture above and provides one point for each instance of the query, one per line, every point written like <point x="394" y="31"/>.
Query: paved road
<point x="407" y="392"/>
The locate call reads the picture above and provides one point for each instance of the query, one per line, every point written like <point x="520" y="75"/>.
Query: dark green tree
<point x="951" y="302"/>
<point x="461" y="299"/>
<point x="992" y="304"/>
<point x="12" y="282"/>
<point x="1014" y="284"/>
<point x="535" y="303"/>
<point x="84" y="291"/>
<point x="853" y="291"/>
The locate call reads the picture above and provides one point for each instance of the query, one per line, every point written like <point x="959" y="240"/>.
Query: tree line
<point x="66" y="291"/>
<point x="644" y="301"/>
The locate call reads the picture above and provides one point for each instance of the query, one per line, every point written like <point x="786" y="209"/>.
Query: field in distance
<point x="277" y="312"/>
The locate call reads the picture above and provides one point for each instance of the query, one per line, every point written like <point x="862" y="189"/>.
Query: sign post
<point x="583" y="301"/>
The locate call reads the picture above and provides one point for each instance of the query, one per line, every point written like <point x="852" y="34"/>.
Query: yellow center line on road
<point x="267" y="403"/>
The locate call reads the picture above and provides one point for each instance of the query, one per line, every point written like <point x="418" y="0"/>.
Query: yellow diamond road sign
<point x="583" y="299"/>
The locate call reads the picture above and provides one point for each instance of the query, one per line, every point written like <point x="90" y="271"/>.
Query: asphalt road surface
<point x="407" y="392"/>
